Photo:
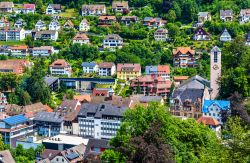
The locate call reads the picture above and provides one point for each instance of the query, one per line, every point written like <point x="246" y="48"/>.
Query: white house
<point x="89" y="67"/>
<point x="29" y="8"/>
<point x="53" y="9"/>
<point x="81" y="38"/>
<point x="6" y="7"/>
<point x="43" y="51"/>
<point x="46" y="35"/>
<point x="19" y="23"/>
<point x="161" y="35"/>
<point x="244" y="16"/>
<point x="93" y="10"/>
<point x="204" y="16"/>
<point x="215" y="109"/>
<point x="100" y="121"/>
<point x="113" y="41"/>
<point x="84" y="26"/>
<point x="211" y="122"/>
<point x="4" y="22"/>
<point x="201" y="35"/>
<point x="21" y="51"/>
<point x="69" y="24"/>
<point x="106" y="69"/>
<point x="54" y="25"/>
<point x="226" y="15"/>
<point x="12" y="34"/>
<point x="60" y="67"/>
<point x="40" y="25"/>
<point x="225" y="36"/>
<point x="120" y="6"/>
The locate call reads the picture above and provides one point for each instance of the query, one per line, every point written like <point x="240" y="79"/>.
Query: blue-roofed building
<point x="215" y="108"/>
<point x="15" y="127"/>
<point x="89" y="67"/>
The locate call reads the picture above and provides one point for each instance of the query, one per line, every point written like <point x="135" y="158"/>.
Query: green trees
<point x="22" y="155"/>
<point x="234" y="80"/>
<point x="235" y="70"/>
<point x="35" y="84"/>
<point x="238" y="142"/>
<point x="26" y="89"/>
<point x="8" y="81"/>
<point x="183" y="141"/>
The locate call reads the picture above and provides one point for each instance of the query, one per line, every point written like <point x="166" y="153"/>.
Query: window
<point x="215" y="57"/>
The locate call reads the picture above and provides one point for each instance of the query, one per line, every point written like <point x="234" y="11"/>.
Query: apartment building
<point x="60" y="67"/>
<point x="100" y="120"/>
<point x="128" y="71"/>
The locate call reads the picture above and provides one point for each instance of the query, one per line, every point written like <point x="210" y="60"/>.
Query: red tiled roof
<point x="17" y="66"/>
<point x="176" y="78"/>
<point x="4" y="20"/>
<point x="99" y="92"/>
<point x="49" y="109"/>
<point x="83" y="98"/>
<point x="116" y="4"/>
<point x="163" y="68"/>
<point x="69" y="22"/>
<point x="59" y="63"/>
<point x="81" y="36"/>
<point x="131" y="67"/>
<point x="183" y="50"/>
<point x="107" y="18"/>
<point x="106" y="65"/>
<point x="149" y="78"/>
<point x="29" y="115"/>
<point x="208" y="121"/>
<point x="29" y="6"/>
<point x="21" y="47"/>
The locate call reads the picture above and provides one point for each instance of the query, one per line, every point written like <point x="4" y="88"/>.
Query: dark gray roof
<point x="50" y="80"/>
<point x="51" y="32"/>
<point x="113" y="37"/>
<point x="150" y="99"/>
<point x="102" y="109"/>
<point x="226" y="12"/>
<point x="216" y="49"/>
<point x="56" y="6"/>
<point x="48" y="117"/>
<point x="188" y="94"/>
<point x="68" y="104"/>
<point x="248" y="37"/>
<point x="89" y="64"/>
<point x="196" y="82"/>
<point x="97" y="143"/>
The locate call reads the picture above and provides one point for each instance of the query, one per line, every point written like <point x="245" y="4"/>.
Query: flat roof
<point x="66" y="139"/>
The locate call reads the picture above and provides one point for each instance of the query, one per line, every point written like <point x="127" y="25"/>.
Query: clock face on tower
<point x="215" y="67"/>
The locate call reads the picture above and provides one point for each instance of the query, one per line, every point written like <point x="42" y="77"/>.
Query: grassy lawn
<point x="69" y="13"/>
<point x="12" y="43"/>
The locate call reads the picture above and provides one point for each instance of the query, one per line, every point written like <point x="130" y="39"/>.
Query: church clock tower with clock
<point x="215" y="71"/>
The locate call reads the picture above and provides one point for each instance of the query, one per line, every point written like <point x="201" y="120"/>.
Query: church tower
<point x="215" y="71"/>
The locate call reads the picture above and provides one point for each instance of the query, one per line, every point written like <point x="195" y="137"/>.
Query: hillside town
<point x="122" y="81"/>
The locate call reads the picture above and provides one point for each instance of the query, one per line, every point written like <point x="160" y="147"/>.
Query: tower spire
<point x="215" y="71"/>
